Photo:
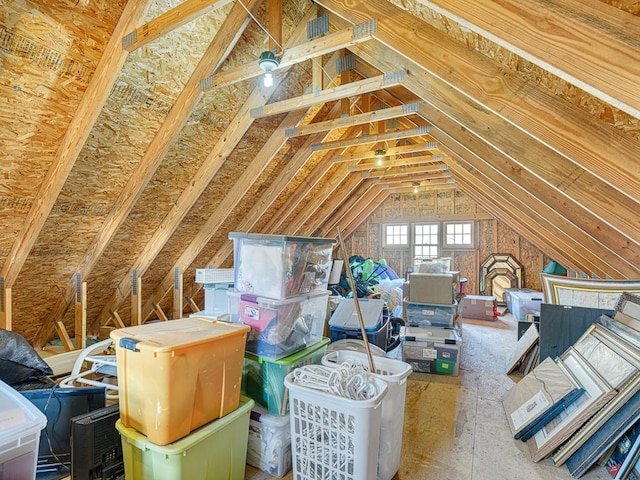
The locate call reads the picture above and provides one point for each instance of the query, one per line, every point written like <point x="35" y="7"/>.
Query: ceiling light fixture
<point x="380" y="155"/>
<point x="415" y="187"/>
<point x="268" y="62"/>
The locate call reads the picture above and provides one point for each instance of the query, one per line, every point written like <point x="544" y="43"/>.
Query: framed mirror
<point x="498" y="272"/>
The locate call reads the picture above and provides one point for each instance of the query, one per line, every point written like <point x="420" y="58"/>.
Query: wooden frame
<point x="585" y="292"/>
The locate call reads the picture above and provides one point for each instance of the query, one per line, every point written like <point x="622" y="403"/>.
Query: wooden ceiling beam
<point x="358" y="119"/>
<point x="293" y="55"/>
<point x="420" y="182"/>
<point x="591" y="201"/>
<point x="179" y="15"/>
<point x="329" y="95"/>
<point x="399" y="150"/>
<point x="381" y="137"/>
<point x="449" y="66"/>
<point x="83" y="120"/>
<point x="592" y="45"/>
<point x="185" y="104"/>
<point x="383" y="172"/>
<point x="538" y="199"/>
<point x="398" y="162"/>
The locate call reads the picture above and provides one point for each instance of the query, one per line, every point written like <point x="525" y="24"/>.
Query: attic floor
<point x="455" y="428"/>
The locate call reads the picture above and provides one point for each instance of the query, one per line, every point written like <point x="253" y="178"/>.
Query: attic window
<point x="396" y="235"/>
<point x="459" y="235"/>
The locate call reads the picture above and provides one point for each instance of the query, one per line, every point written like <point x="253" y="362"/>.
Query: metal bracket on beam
<point x="393" y="77"/>
<point x="317" y="27"/>
<point x="254" y="112"/>
<point x="365" y="29"/>
<point x="291" y="132"/>
<point x="410" y="107"/>
<point x="207" y="82"/>
<point x="129" y="39"/>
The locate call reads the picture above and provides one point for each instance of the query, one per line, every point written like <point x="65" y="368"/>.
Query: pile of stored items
<point x="583" y="407"/>
<point x="431" y="340"/>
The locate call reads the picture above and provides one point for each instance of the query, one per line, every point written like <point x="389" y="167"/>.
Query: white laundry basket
<point x="333" y="437"/>
<point x="394" y="373"/>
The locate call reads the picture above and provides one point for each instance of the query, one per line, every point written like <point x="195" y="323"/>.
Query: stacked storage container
<point x="281" y="295"/>
<point x="179" y="399"/>
<point x="344" y="322"/>
<point x="431" y="313"/>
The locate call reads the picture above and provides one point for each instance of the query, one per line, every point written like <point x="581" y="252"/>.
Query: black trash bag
<point x="19" y="362"/>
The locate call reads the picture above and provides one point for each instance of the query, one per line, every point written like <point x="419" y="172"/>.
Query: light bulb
<point x="380" y="161"/>
<point x="415" y="189"/>
<point x="268" y="79"/>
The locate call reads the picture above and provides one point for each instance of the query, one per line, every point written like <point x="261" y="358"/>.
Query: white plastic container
<point x="280" y="266"/>
<point x="332" y="436"/>
<point x="395" y="374"/>
<point x="269" y="446"/>
<point x="20" y="426"/>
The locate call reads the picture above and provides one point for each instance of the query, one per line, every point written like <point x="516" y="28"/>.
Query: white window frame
<point x="400" y="245"/>
<point x="471" y="244"/>
<point x="415" y="244"/>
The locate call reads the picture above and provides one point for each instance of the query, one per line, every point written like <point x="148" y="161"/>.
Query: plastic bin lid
<point x="429" y="333"/>
<point x="184" y="332"/>
<point x="294" y="357"/>
<point x="18" y="416"/>
<point x="346" y="315"/>
<point x="279" y="238"/>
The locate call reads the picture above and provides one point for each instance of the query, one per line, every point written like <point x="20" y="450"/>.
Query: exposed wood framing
<point x="176" y="17"/>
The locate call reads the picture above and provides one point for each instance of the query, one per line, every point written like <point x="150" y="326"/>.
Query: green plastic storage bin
<point x="216" y="451"/>
<point x="263" y="378"/>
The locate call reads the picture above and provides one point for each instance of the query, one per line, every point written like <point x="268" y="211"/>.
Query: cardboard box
<point x="431" y="288"/>
<point x="479" y="307"/>
<point x="176" y="376"/>
<point x="431" y="350"/>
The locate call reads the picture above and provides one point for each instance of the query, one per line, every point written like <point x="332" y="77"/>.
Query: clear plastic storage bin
<point x="431" y="349"/>
<point x="20" y="426"/>
<point x="280" y="266"/>
<point x="263" y="378"/>
<point x="395" y="374"/>
<point x="176" y="376"/>
<point x="269" y="447"/>
<point x="430" y="315"/>
<point x="217" y="451"/>
<point x="280" y="327"/>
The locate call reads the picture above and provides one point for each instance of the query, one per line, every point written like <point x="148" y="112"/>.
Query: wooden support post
<point x="193" y="306"/>
<point x="81" y="314"/>
<point x="136" y="299"/>
<point x="64" y="336"/>
<point x="177" y="294"/>
<point x="5" y="306"/>
<point x="159" y="312"/>
<point x="365" y="103"/>
<point x="117" y="321"/>
<point x="317" y="75"/>
<point x="275" y="26"/>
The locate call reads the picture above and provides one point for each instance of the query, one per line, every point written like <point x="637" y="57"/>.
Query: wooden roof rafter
<point x="79" y="129"/>
<point x="378" y="138"/>
<point x="417" y="147"/>
<point x="431" y="158"/>
<point x="179" y="15"/>
<point x="186" y="102"/>
<point x="293" y="55"/>
<point x="384" y="172"/>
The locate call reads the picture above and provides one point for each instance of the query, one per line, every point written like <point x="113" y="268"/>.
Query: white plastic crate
<point x="333" y="437"/>
<point x="215" y="275"/>
<point x="394" y="373"/>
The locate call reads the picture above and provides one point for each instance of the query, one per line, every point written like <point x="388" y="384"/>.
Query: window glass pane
<point x="459" y="234"/>
<point x="396" y="234"/>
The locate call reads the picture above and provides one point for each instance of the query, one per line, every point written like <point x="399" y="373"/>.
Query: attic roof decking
<point x="152" y="172"/>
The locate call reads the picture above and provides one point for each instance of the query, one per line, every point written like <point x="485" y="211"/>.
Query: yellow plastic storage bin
<point x="216" y="451"/>
<point x="176" y="376"/>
